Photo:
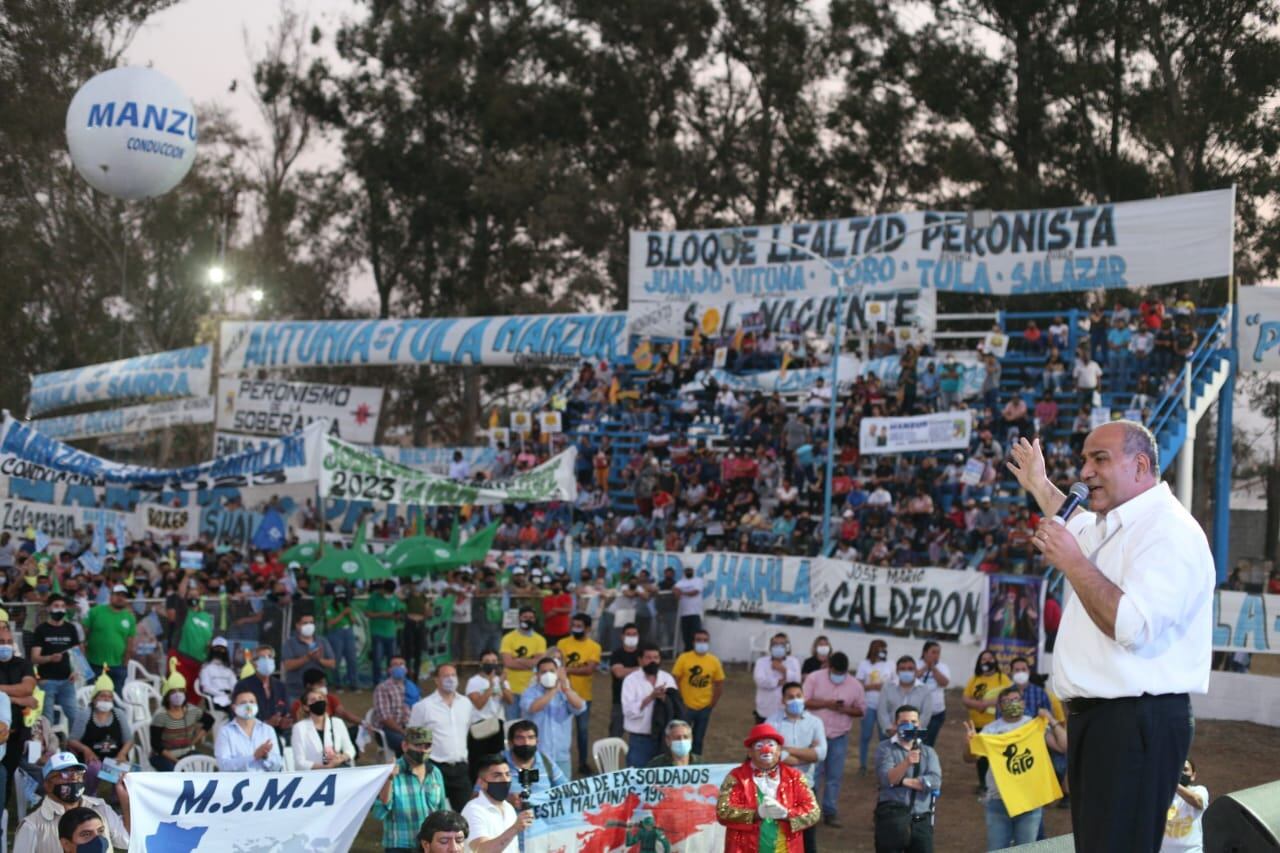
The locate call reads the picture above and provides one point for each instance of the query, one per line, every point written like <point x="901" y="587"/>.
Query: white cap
<point x="219" y="642"/>
<point x="120" y="588"/>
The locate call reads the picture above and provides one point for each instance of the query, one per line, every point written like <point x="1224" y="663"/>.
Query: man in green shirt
<point x="110" y="632"/>
<point x="384" y="611"/>
<point x="340" y="632"/>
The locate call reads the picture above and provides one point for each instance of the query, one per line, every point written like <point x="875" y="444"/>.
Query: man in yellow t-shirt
<point x="701" y="679"/>
<point x="582" y="656"/>
<point x="521" y="650"/>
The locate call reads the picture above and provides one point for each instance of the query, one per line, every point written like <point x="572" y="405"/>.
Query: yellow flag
<point x="786" y="360"/>
<point x="673" y="355"/>
<point x="1021" y="766"/>
<point x="493" y="419"/>
<point x="696" y="344"/>
<point x="737" y="340"/>
<point x="614" y="387"/>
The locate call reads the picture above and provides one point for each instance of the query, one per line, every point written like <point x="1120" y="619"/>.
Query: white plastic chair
<point x="196" y="763"/>
<point x="60" y="726"/>
<point x="138" y="672"/>
<point x="84" y="695"/>
<point x="286" y="755"/>
<point x="609" y="754"/>
<point x="142" y="699"/>
<point x="379" y="737"/>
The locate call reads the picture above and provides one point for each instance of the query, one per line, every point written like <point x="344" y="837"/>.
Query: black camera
<point x="527" y="779"/>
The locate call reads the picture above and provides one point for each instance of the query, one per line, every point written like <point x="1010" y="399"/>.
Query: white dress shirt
<point x="448" y="724"/>
<point x="309" y="744"/>
<point x="487" y="819"/>
<point x="937" y="696"/>
<point x="635" y="687"/>
<point x="769" y="683"/>
<point x="1153" y="549"/>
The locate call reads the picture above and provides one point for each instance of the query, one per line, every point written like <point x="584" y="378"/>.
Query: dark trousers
<point x="921" y="839"/>
<point x="412" y="640"/>
<point x="457" y="783"/>
<point x="1124" y="757"/>
<point x="689" y="625"/>
<point x="811" y="840"/>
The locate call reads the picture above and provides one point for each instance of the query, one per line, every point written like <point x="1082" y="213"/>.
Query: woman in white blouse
<point x="319" y="741"/>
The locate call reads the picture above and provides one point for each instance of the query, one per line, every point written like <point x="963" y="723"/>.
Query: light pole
<point x="973" y="219"/>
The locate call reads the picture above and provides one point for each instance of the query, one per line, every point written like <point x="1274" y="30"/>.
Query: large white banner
<point x="317" y="811"/>
<point x="132" y="419"/>
<point x="1259" y="327"/>
<point x="1246" y="622"/>
<point x="1052" y="250"/>
<point x="875" y="598"/>
<point x="436" y="460"/>
<point x="60" y="523"/>
<point x="791" y="381"/>
<point x="910" y="433"/>
<point x="162" y="523"/>
<point x="231" y="443"/>
<point x="790" y="317"/>
<point x="32" y="455"/>
<point x="269" y="407"/>
<point x="177" y="373"/>
<point x="529" y="340"/>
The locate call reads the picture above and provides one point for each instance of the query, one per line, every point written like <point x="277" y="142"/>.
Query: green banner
<point x="354" y="473"/>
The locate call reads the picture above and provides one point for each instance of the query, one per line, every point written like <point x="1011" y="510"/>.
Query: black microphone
<point x="1078" y="494"/>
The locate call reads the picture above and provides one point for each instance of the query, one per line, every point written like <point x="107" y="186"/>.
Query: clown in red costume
<point x="763" y="804"/>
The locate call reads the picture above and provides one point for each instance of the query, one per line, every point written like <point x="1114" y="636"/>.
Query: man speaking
<point x="1136" y="635"/>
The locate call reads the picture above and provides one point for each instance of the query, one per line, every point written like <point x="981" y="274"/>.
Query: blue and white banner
<point x="530" y="340"/>
<point x="319" y="810"/>
<point x="436" y="460"/>
<point x="273" y="407"/>
<point x="231" y="443"/>
<point x="911" y="433"/>
<point x="132" y="419"/>
<point x="1259" y="328"/>
<point x="794" y="381"/>
<point x="1051" y="250"/>
<point x="1246" y="622"/>
<point x="30" y="454"/>
<point x="888" y="368"/>
<point x="177" y="373"/>
<point x="60" y="523"/>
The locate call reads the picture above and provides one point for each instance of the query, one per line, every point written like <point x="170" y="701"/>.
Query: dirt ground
<point x="1230" y="756"/>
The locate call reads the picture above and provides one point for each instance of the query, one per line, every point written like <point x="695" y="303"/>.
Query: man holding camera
<point x="533" y="771"/>
<point x="909" y="773"/>
<point x="494" y="822"/>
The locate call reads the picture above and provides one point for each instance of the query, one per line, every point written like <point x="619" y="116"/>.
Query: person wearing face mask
<point x="247" y="743"/>
<point x="582" y="657"/>
<point x="623" y="661"/>
<point x="643" y="692"/>
<point x="701" y="678"/>
<point x="770" y="673"/>
<point x="551" y="703"/>
<point x="906" y="690"/>
<point x="678" y="738"/>
<point x="764" y="804"/>
<point x="557" y="607"/>
<point x="819" y="658"/>
<point x="272" y="705"/>
<point x="874" y="672"/>
<point x="495" y="823"/>
<point x="936" y="675"/>
<point x="390" y="710"/>
<point x="179" y="726"/>
<point x="414" y="790"/>
<point x="80" y="830"/>
<point x="490" y="694"/>
<point x="18" y="682"/>
<point x="1034" y="697"/>
<point x="836" y="699"/>
<point x="1020" y="779"/>
<point x="804" y="744"/>
<point x="907" y="771"/>
<point x="339" y="631"/>
<point x="1183" y="832"/>
<point x="302" y="651"/>
<point x="110" y="631"/>
<point x="51" y="648"/>
<point x="64" y="791"/>
<point x="104" y="732"/>
<point x="689" y="592"/>
<point x="525" y="754"/>
<point x="319" y="741"/>
<point x="447" y="715"/>
<point x="521" y="649"/>
<point x="217" y="678"/>
<point x="980" y="698"/>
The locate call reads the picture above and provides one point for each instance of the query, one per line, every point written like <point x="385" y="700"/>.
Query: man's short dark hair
<point x="312" y="675"/>
<point x="1019" y="659"/>
<point x="55" y="597"/>
<point x="490" y="651"/>
<point x="73" y="819"/>
<point x="928" y="644"/>
<point x="904" y="709"/>
<point x="487" y="761"/>
<point x="905" y="659"/>
<point x="791" y="684"/>
<point x="583" y="618"/>
<point x="1008" y="691"/>
<point x="839" y="662"/>
<point x="650" y="647"/>
<point x="629" y="626"/>
<point x="524" y="610"/>
<point x="522" y="726"/>
<point x="547" y="659"/>
<point x="442" y="821"/>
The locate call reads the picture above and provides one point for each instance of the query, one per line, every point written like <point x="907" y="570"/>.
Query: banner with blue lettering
<point x="912" y="433"/>
<point x="1259" y="328"/>
<point x="177" y="373"/>
<point x="30" y="454"/>
<point x="795" y="381"/>
<point x="648" y="809"/>
<point x="222" y="812"/>
<point x="530" y="340"/>
<point x="878" y="598"/>
<point x="1246" y="622"/>
<point x="60" y="523"/>
<point x="1051" y="250"/>
<point x="131" y="419"/>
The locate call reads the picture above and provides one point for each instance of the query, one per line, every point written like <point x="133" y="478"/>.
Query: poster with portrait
<point x="1013" y="617"/>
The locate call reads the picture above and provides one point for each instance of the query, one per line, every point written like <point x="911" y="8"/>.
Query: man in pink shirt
<point x="836" y="699"/>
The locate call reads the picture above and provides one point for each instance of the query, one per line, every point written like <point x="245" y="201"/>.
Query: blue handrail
<point x="1218" y="337"/>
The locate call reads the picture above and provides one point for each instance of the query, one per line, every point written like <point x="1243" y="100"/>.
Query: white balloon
<point x="132" y="133"/>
